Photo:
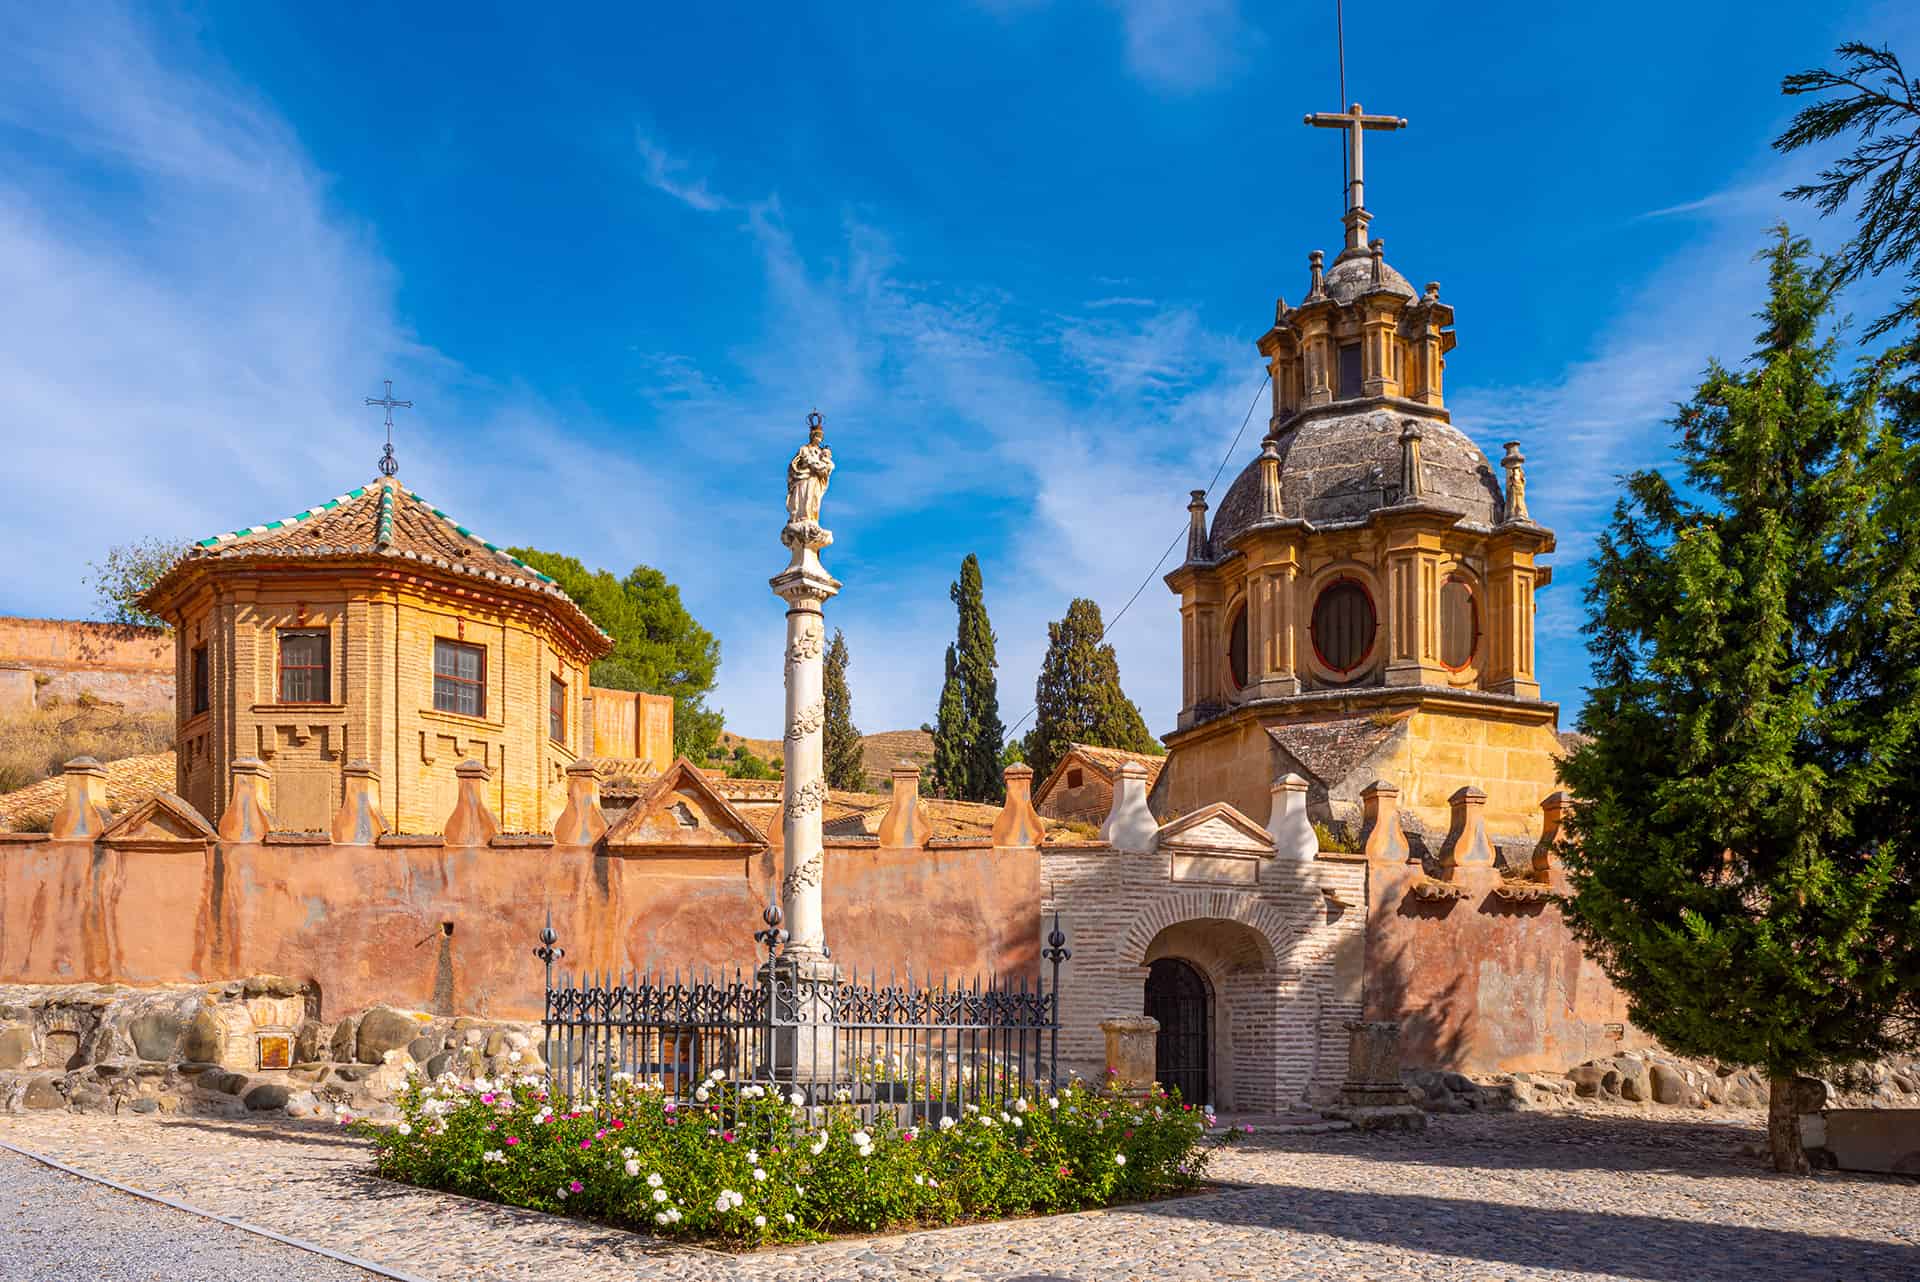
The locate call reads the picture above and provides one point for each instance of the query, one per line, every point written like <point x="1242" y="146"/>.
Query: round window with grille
<point x="1343" y="625"/>
<point x="1459" y="624"/>
<point x="1237" y="649"/>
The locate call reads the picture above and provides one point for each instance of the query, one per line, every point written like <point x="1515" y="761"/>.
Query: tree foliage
<point x="745" y="763"/>
<point x="846" y="769"/>
<point x="119" y="581"/>
<point x="968" y="732"/>
<point x="1078" y="698"/>
<point x="1871" y="98"/>
<point x="658" y="647"/>
<point x="1745" y="861"/>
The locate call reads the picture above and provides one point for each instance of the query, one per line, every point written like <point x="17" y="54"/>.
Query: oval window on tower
<point x="1343" y="625"/>
<point x="1459" y="624"/>
<point x="1237" y="649"/>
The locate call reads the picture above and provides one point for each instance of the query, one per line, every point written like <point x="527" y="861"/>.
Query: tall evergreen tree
<point x="1745" y="857"/>
<point x="845" y="769"/>
<point x="1078" y="698"/>
<point x="967" y="736"/>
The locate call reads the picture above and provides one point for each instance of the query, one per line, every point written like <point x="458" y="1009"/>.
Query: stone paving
<point x="1660" y="1197"/>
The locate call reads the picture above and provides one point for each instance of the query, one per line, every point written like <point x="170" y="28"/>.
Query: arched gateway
<point x="1179" y="997"/>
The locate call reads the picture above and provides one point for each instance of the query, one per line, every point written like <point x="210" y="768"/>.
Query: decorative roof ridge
<point x="470" y="536"/>
<point x="232" y="536"/>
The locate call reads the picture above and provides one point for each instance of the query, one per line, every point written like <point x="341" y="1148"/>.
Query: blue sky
<point x="1016" y="252"/>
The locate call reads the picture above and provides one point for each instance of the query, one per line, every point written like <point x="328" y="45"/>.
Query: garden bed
<point x="742" y="1166"/>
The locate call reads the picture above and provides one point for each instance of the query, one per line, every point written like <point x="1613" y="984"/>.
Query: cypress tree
<point x="967" y="735"/>
<point x="1744" y="859"/>
<point x="1078" y="698"/>
<point x="845" y="768"/>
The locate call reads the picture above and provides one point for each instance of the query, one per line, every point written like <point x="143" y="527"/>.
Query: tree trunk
<point x="1783" y="1127"/>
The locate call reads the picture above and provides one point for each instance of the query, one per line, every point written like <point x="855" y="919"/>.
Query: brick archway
<point x="1269" y="937"/>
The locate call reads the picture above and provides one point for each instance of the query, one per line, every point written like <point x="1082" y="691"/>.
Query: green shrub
<point x="743" y="1165"/>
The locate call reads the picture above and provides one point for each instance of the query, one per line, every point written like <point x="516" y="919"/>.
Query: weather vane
<point x="388" y="463"/>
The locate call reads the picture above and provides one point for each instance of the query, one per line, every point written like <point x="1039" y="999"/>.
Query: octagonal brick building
<point x="373" y="627"/>
<point x="1361" y="605"/>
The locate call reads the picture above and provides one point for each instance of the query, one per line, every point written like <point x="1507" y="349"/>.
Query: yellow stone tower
<point x="1362" y="606"/>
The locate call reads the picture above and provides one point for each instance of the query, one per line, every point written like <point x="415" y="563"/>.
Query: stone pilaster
<point x="359" y="821"/>
<point x="84" y="815"/>
<point x="247" y="817"/>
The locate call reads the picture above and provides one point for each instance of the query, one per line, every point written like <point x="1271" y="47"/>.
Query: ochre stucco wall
<point x="367" y="923"/>
<point x="1483" y="985"/>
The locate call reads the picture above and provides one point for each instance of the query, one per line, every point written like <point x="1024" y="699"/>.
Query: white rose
<point x="759" y="1174"/>
<point x="659" y="1195"/>
<point x="404" y="1129"/>
<point x="654" y="1180"/>
<point x="1119" y="1159"/>
<point x="633" y="1166"/>
<point x="796" y="1099"/>
<point x="759" y="1221"/>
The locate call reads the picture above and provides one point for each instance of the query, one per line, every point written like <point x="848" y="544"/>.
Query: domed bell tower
<point x="1366" y="584"/>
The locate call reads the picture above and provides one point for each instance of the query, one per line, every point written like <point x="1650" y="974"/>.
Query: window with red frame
<point x="557" y="710"/>
<point x="304" y="674"/>
<point x="1343" y="625"/>
<point x="460" y="678"/>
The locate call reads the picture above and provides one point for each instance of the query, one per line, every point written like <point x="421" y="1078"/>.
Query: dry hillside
<point x="34" y="745"/>
<point x="879" y="752"/>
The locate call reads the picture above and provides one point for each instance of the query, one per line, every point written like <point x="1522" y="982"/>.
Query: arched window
<point x="1459" y="624"/>
<point x="1237" y="648"/>
<point x="1343" y="625"/>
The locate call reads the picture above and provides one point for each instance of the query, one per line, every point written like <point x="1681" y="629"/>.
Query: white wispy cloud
<point x="666" y="172"/>
<point x="192" y="356"/>
<point x="1187" y="45"/>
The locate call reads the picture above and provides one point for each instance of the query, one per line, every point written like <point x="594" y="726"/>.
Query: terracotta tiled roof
<point x="384" y="519"/>
<point x="1331" y="750"/>
<point x="130" y="781"/>
<point x="858" y="814"/>
<point x="1109" y="760"/>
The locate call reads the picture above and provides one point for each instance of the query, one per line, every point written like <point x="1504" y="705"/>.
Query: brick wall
<point x="1283" y="961"/>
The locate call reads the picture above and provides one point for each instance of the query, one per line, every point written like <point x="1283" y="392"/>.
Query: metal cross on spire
<point x="388" y="464"/>
<point x="1356" y="122"/>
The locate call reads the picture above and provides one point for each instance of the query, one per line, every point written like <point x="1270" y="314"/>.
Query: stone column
<point x="1131" y="1061"/>
<point x="1287" y="823"/>
<point x="805" y="586"/>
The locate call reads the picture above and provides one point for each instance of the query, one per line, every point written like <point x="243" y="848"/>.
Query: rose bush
<point x="745" y="1164"/>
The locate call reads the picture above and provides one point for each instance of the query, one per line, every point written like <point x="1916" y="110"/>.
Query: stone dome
<point x="1352" y="276"/>
<point x="1343" y="467"/>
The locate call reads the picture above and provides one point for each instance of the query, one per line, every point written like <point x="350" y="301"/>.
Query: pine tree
<point x="1744" y="859"/>
<point x="1078" y="698"/>
<point x="968" y="732"/>
<point x="845" y="769"/>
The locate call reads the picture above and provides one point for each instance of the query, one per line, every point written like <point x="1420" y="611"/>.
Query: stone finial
<point x="1272" y="506"/>
<point x="1516" y="464"/>
<point x="1130" y="826"/>
<point x="1019" y="823"/>
<point x="247" y="817"/>
<point x="1130" y="1052"/>
<point x="472" y="822"/>
<point x="581" y="822"/>
<point x="1280" y="310"/>
<point x="1553" y="815"/>
<point x="84" y="814"/>
<point x="1433" y="292"/>
<point x="1378" y="252"/>
<point x="1381" y="839"/>
<point x="358" y="822"/>
<point x="1413" y="483"/>
<point x="1197" y="527"/>
<point x="1287" y="822"/>
<point x="1467" y="845"/>
<point x="903" y="827"/>
<point x="1316" y="286"/>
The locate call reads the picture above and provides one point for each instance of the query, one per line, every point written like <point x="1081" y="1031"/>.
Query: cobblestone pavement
<point x="1568" y="1197"/>
<point x="57" y="1226"/>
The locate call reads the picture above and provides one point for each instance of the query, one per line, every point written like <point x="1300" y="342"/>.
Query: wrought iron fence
<point x="921" y="1047"/>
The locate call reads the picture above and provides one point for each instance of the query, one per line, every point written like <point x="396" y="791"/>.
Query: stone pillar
<point x="903" y="826"/>
<point x="1018" y="825"/>
<point x="1372" y="1097"/>
<point x="247" y="817"/>
<point x="359" y="821"/>
<point x="1287" y="822"/>
<point x="1467" y="845"/>
<point x="472" y="822"/>
<point x="806" y="587"/>
<point x="1130" y="826"/>
<point x="581" y="823"/>
<point x="1510" y="582"/>
<point x="84" y="814"/>
<point x="1131" y="1060"/>
<point x="1381" y="838"/>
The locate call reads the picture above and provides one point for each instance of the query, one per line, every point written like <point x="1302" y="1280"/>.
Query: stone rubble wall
<point x="198" y="1049"/>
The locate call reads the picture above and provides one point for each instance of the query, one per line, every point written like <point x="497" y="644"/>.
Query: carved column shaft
<point x="804" y="754"/>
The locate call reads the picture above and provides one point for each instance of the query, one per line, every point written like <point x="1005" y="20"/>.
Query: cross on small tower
<point x="1356" y="122"/>
<point x="388" y="464"/>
